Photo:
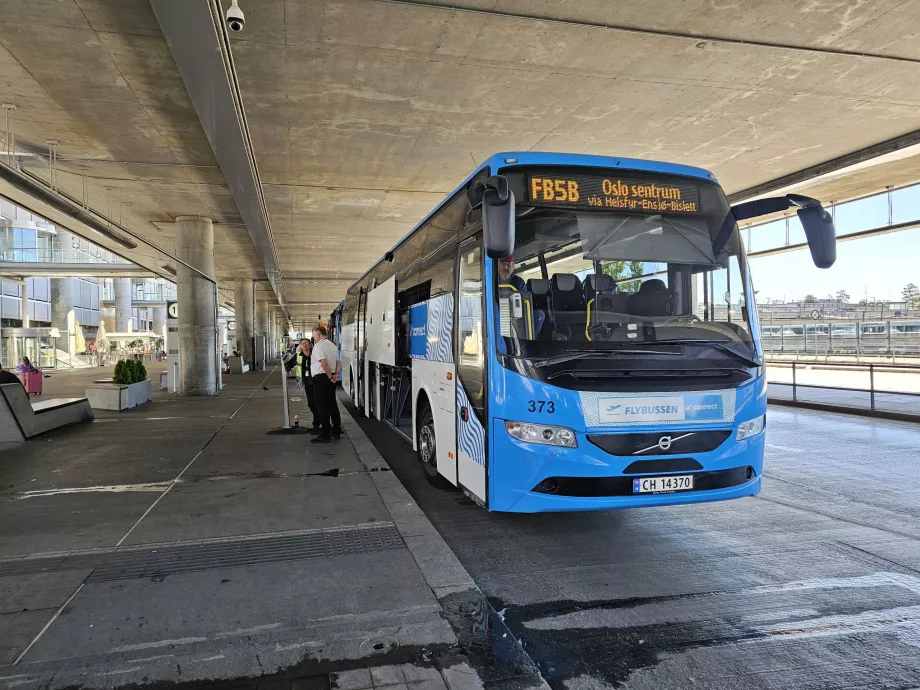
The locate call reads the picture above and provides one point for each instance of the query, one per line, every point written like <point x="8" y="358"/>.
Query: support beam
<point x="197" y="307"/>
<point x="197" y="38"/>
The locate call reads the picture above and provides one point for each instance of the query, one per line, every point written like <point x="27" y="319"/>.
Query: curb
<point x="441" y="569"/>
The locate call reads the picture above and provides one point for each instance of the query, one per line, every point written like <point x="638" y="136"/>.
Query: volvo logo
<point x="664" y="443"/>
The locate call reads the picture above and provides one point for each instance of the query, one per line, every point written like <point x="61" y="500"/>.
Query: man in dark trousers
<point x="325" y="369"/>
<point x="301" y="359"/>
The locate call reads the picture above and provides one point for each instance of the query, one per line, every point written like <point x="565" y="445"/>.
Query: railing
<point x="879" y="387"/>
<point x="58" y="256"/>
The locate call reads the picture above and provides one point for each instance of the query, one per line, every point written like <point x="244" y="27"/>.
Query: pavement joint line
<point x="197" y="455"/>
<point x="152" y="546"/>
<point x="832" y="516"/>
<point x="370" y="457"/>
<point x="49" y="623"/>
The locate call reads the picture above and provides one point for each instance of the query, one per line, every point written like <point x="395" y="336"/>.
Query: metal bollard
<point x="284" y="393"/>
<point x="871" y="386"/>
<point x="794" y="396"/>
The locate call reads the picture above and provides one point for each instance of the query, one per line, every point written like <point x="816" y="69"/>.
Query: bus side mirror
<point x="817" y="223"/>
<point x="498" y="217"/>
<point x="821" y="235"/>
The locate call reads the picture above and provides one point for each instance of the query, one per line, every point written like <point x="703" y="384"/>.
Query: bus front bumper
<point x="531" y="478"/>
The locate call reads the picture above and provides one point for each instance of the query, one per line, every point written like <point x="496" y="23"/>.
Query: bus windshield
<point x="613" y="280"/>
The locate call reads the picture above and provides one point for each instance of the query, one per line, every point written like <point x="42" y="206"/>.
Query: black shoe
<point x="336" y="436"/>
<point x="314" y="430"/>
<point x="321" y="439"/>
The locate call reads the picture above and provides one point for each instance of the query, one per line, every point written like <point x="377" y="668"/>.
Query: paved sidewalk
<point x="178" y="543"/>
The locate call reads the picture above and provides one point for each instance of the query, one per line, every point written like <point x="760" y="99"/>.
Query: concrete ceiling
<point x="364" y="113"/>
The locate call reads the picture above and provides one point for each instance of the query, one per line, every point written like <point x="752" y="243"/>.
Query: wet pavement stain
<point x="308" y="674"/>
<point x="564" y="650"/>
<point x="486" y="640"/>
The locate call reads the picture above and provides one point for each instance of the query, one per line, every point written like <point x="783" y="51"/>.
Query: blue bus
<point x="569" y="332"/>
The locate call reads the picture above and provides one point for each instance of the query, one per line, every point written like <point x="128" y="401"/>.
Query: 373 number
<point x="547" y="406"/>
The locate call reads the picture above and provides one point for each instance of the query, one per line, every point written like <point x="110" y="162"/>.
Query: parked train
<point x="880" y="337"/>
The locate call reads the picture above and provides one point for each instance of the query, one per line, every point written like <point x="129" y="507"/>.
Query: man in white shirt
<point x="325" y="368"/>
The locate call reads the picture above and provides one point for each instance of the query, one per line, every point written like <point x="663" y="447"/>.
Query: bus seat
<point x="652" y="299"/>
<point x="568" y="302"/>
<point x="539" y="288"/>
<point x="597" y="283"/>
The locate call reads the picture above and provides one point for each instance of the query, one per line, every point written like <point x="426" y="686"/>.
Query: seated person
<point x="26" y="367"/>
<point x="506" y="277"/>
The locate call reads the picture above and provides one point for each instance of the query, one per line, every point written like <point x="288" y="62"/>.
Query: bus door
<point x="470" y="347"/>
<point x="360" y="337"/>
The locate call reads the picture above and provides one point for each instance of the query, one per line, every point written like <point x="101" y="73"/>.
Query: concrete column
<point x="123" y="310"/>
<point x="244" y="318"/>
<point x="62" y="299"/>
<point x="159" y="321"/>
<point x="24" y="304"/>
<point x="197" y="309"/>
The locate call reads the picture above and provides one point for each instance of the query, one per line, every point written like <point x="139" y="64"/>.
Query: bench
<point x="21" y="419"/>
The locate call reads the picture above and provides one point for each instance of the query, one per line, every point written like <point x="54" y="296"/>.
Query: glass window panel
<point x="768" y="236"/>
<point x="853" y="216"/>
<point x="905" y="204"/>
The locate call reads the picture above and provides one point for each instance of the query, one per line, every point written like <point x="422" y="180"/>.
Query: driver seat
<point x="652" y="299"/>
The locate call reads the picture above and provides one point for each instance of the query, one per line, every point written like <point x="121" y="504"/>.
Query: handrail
<point x="870" y="367"/>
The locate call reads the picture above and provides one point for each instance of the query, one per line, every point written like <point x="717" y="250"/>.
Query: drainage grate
<point x="160" y="560"/>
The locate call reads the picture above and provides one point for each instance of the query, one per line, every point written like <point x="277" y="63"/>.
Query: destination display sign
<point x="614" y="192"/>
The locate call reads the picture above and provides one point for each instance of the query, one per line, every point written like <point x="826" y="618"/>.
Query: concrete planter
<point x="104" y="395"/>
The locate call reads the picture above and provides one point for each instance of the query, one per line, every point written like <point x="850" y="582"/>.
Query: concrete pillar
<point x="62" y="299"/>
<point x="261" y="325"/>
<point x="159" y="321"/>
<point x="24" y="304"/>
<point x="123" y="310"/>
<point x="197" y="308"/>
<point x="244" y="318"/>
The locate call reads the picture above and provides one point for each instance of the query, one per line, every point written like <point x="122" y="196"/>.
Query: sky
<point x="877" y="267"/>
<point x="881" y="265"/>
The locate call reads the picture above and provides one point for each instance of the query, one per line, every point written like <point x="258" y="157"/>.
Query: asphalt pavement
<point x="814" y="584"/>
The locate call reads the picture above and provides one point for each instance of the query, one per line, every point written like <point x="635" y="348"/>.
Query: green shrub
<point x="129" y="371"/>
<point x="122" y="375"/>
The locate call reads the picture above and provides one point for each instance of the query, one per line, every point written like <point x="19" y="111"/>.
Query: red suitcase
<point x="32" y="380"/>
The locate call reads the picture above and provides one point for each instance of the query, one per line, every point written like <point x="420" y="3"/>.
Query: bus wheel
<point x="426" y="442"/>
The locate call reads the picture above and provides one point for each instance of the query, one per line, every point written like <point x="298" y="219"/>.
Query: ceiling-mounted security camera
<point x="235" y="17"/>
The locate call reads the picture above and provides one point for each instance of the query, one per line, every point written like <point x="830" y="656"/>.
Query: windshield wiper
<point x="582" y="354"/>
<point x="719" y="345"/>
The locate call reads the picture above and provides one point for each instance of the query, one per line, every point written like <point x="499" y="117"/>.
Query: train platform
<point x="179" y="545"/>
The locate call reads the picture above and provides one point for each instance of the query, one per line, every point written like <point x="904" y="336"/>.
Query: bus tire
<point x="426" y="443"/>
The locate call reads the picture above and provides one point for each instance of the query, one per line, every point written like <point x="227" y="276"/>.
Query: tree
<point x="911" y="295"/>
<point x="810" y="299"/>
<point x="615" y="269"/>
<point x="843" y="296"/>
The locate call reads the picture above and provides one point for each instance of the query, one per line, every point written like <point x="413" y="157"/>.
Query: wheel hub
<point x="426" y="445"/>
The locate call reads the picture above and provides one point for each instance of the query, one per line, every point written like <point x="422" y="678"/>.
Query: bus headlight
<point x="750" y="428"/>
<point x="540" y="433"/>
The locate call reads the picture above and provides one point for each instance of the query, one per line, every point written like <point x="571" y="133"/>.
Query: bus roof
<point x="511" y="159"/>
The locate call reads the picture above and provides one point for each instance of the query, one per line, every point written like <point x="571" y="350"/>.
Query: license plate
<point x="662" y="485"/>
